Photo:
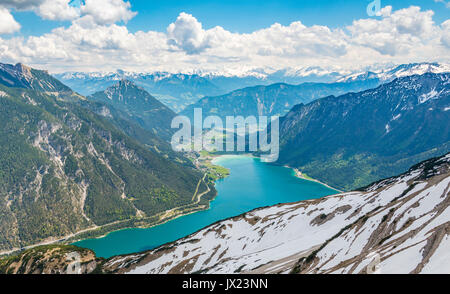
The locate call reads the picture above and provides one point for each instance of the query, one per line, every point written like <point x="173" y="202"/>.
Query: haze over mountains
<point x="174" y="90"/>
<point x="276" y="99"/>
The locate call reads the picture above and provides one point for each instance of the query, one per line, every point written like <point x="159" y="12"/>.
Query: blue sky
<point x="228" y="36"/>
<point x="242" y="16"/>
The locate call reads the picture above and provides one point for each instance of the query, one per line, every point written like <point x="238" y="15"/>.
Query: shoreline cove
<point x="301" y="175"/>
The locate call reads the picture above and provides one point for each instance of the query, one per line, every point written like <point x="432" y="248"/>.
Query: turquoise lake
<point x="251" y="184"/>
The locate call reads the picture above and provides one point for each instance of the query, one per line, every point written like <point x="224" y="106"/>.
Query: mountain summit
<point x="138" y="106"/>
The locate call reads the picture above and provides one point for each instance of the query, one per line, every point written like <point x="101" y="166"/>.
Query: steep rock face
<point x="357" y="138"/>
<point x="138" y="106"/>
<point x="402" y="222"/>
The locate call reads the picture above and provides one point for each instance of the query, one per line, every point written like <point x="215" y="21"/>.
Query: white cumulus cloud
<point x="446" y="33"/>
<point x="57" y="10"/>
<point x="447" y="3"/>
<point x="100" y="11"/>
<point x="396" y="33"/>
<point x="186" y="33"/>
<point x="8" y="24"/>
<point x="402" y="36"/>
<point x="108" y="11"/>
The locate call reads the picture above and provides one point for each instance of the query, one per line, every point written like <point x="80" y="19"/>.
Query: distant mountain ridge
<point x="357" y="138"/>
<point x="174" y="90"/>
<point x="276" y="99"/>
<point x="178" y="90"/>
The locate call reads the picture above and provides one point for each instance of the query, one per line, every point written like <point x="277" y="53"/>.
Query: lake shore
<point x="297" y="172"/>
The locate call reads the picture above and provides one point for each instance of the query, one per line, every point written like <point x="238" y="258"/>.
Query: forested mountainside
<point x="396" y="225"/>
<point x="404" y="222"/>
<point x="138" y="106"/>
<point x="64" y="168"/>
<point x="357" y="138"/>
<point x="276" y="99"/>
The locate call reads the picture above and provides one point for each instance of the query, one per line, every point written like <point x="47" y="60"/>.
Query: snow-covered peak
<point x="399" y="71"/>
<point x="309" y="73"/>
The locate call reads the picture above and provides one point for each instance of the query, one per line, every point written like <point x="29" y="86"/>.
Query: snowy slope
<point x="404" y="222"/>
<point x="404" y="70"/>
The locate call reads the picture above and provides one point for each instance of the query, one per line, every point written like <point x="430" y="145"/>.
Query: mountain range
<point x="77" y="167"/>
<point x="404" y="70"/>
<point x="21" y="76"/>
<point x="178" y="90"/>
<point x="174" y="90"/>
